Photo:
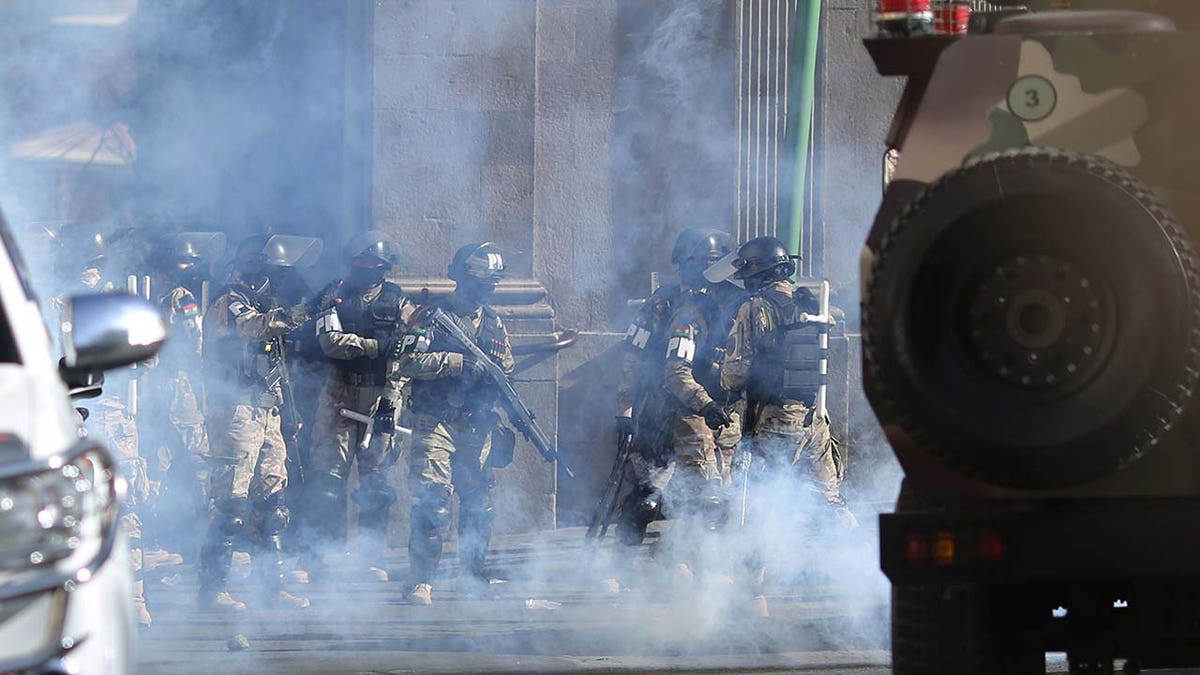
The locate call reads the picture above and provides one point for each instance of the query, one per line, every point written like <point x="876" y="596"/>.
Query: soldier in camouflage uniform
<point x="87" y="257"/>
<point x="177" y="439"/>
<point x="772" y="355"/>
<point x="706" y="428"/>
<point x="361" y="320"/>
<point x="457" y="440"/>
<point x="241" y="343"/>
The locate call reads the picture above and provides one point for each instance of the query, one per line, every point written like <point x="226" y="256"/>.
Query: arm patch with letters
<point x="637" y="336"/>
<point x="328" y="321"/>
<point x="239" y="308"/>
<point x="415" y="341"/>
<point x="682" y="345"/>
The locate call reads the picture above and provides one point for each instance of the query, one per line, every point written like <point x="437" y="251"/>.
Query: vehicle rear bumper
<point x="1076" y="541"/>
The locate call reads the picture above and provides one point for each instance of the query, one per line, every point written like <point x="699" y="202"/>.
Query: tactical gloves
<point x="385" y="417"/>
<point x="391" y="348"/>
<point x="473" y="369"/>
<point x="716" y="416"/>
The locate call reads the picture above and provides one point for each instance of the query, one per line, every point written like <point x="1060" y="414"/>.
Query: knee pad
<point x="229" y="516"/>
<point x="431" y="513"/>
<point x="373" y="493"/>
<point x="274" y="514"/>
<point x="647" y="505"/>
<point x="325" y="491"/>
<point x="479" y="507"/>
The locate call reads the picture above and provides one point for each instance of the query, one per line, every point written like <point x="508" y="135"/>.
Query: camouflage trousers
<point x="176" y="444"/>
<point x="336" y="438"/>
<point x="700" y="455"/>
<point x="450" y="454"/>
<point x="336" y="447"/>
<point x="791" y="435"/>
<point x="118" y="430"/>
<point x="248" y="452"/>
<point x="704" y="453"/>
<point x="794" y="452"/>
<point x="694" y="497"/>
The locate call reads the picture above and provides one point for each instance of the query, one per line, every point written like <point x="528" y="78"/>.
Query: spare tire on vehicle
<point x="1033" y="319"/>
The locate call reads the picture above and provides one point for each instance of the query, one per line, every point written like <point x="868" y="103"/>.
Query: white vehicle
<point x="65" y="581"/>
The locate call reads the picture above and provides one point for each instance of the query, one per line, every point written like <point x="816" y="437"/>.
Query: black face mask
<point x="365" y="277"/>
<point x="691" y="273"/>
<point x="255" y="276"/>
<point x="187" y="277"/>
<point x="478" y="291"/>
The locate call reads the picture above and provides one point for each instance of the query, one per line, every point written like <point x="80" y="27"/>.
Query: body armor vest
<point x="252" y="367"/>
<point x="434" y="397"/>
<point x="654" y="350"/>
<point x="378" y="319"/>
<point x="792" y="362"/>
<point x="710" y="352"/>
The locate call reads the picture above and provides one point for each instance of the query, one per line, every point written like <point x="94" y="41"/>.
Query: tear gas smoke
<point x="228" y="103"/>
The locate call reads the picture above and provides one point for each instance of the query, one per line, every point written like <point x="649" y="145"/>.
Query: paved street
<point x="662" y="624"/>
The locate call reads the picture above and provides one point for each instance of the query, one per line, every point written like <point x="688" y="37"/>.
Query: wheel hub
<point x="1038" y="321"/>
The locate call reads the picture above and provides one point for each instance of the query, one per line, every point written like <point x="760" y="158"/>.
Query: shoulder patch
<point x="681" y="347"/>
<point x="637" y="336"/>
<point x="239" y="308"/>
<point x="328" y="321"/>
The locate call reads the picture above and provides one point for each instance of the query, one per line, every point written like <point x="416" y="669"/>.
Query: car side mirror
<point x="81" y="383"/>
<point x="102" y="331"/>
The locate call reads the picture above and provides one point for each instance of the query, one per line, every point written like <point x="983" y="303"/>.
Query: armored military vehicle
<point x="1031" y="338"/>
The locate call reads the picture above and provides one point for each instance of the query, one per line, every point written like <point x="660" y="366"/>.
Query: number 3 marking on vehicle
<point x="1032" y="98"/>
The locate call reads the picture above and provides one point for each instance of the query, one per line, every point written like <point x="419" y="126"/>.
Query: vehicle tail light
<point x="991" y="547"/>
<point x="944" y="548"/>
<point x="916" y="550"/>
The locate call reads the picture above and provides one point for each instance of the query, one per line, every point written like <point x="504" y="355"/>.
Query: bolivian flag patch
<point x="190" y="310"/>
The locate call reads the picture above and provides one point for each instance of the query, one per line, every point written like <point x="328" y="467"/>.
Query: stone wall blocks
<point x="507" y="193"/>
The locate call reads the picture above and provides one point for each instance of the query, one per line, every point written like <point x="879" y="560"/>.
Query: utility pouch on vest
<point x="504" y="447"/>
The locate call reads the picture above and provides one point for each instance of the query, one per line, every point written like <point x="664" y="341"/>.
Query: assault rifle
<point x="608" y="501"/>
<point x="290" y="418"/>
<point x="519" y="415"/>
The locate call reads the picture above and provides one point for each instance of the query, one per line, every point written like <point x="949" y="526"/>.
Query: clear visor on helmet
<point x="724" y="269"/>
<point x="285" y="250"/>
<point x="207" y="246"/>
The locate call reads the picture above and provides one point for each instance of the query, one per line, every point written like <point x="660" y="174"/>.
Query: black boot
<point x="374" y="499"/>
<point x="324" y="521"/>
<point x="216" y="555"/>
<point x="427" y="525"/>
<point x="474" y="536"/>
<point x="271" y="518"/>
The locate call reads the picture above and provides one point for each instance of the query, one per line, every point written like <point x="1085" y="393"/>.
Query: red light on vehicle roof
<point x="905" y="5"/>
<point x="952" y="18"/>
<point x="904" y="18"/>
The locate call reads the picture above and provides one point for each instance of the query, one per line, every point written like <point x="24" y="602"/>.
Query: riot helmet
<point x="371" y="255"/>
<point x="477" y="269"/>
<point x="82" y="253"/>
<point x="757" y="263"/>
<point x="695" y="250"/>
<point x="260" y="255"/>
<point x="186" y="253"/>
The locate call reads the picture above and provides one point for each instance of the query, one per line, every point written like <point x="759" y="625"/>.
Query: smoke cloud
<point x="239" y="116"/>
